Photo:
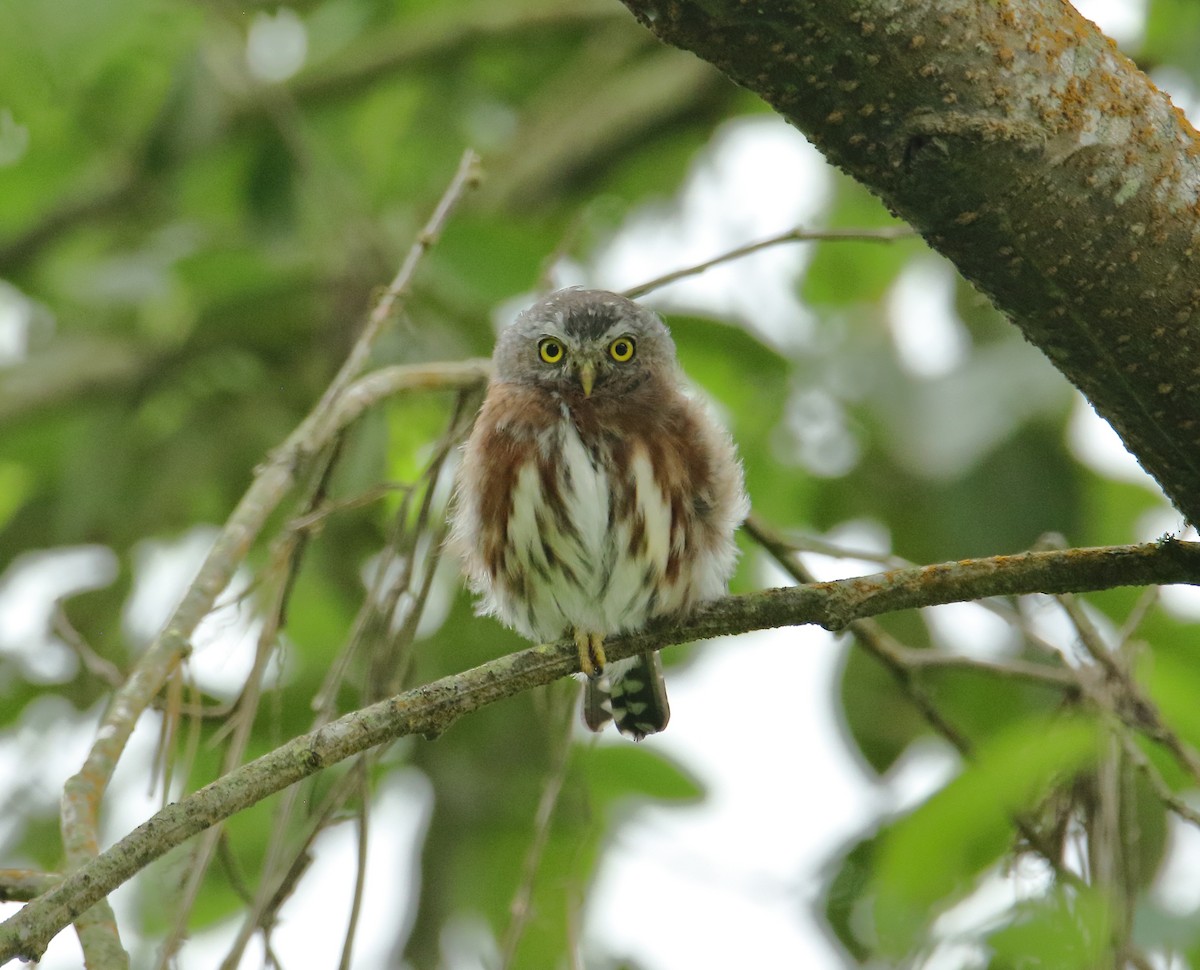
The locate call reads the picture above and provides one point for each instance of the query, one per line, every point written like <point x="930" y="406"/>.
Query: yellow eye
<point x="621" y="349"/>
<point x="550" y="350"/>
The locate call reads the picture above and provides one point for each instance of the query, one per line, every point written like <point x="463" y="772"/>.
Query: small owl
<point x="594" y="494"/>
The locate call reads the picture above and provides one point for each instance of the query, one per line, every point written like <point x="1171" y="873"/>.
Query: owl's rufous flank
<point x="594" y="494"/>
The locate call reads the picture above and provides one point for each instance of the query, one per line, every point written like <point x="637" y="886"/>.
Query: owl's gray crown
<point x="587" y="314"/>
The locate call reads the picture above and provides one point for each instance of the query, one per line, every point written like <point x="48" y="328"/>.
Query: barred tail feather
<point x="632" y="694"/>
<point x="597" y="704"/>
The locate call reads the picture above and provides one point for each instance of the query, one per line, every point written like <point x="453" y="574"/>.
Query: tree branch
<point x="798" y="234"/>
<point x="83" y="791"/>
<point x="430" y="709"/>
<point x="1027" y="149"/>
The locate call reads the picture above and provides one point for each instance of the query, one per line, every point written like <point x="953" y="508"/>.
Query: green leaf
<point x="16" y="480"/>
<point x="933" y="856"/>
<point x="847" y="898"/>
<point x="620" y="770"/>
<point x="1066" y="930"/>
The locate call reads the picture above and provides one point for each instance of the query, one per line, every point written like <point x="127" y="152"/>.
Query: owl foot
<point x="591" y="653"/>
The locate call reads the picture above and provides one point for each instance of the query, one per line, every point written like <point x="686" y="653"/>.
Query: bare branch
<point x="22" y="885"/>
<point x="430" y="709"/>
<point x="884" y="234"/>
<point x="84" y="790"/>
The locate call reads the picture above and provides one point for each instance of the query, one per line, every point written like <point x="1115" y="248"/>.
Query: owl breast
<point x="588" y="540"/>
<point x="568" y="520"/>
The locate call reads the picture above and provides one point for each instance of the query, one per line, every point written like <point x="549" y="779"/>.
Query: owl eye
<point x="621" y="349"/>
<point x="550" y="350"/>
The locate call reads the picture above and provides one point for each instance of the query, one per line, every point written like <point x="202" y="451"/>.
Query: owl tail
<point x="630" y="693"/>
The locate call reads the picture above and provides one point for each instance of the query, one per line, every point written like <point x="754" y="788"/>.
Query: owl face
<point x="585" y="342"/>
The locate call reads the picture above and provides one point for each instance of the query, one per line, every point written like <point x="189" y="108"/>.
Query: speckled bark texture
<point x="1025" y="147"/>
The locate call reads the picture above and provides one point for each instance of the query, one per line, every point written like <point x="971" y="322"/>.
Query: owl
<point x="594" y="494"/>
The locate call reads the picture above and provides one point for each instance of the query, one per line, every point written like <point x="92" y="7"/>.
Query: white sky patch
<point x="276" y="46"/>
<point x="862" y="536"/>
<point x="396" y="829"/>
<point x="1123" y="20"/>
<point x="1047" y="621"/>
<point x="930" y="340"/>
<point x="759" y="177"/>
<point x="53" y="735"/>
<point x="224" y="643"/>
<point x="970" y="630"/>
<point x="740" y="874"/>
<point x="815" y="434"/>
<point x="56" y="737"/>
<point x="1181" y="601"/>
<point x="920" y="771"/>
<point x="16" y="319"/>
<point x="29" y="590"/>
<point x="1093" y="442"/>
<point x="1177" y="888"/>
<point x="1181" y="89"/>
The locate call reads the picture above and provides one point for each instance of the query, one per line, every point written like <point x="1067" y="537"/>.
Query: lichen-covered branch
<point x="1026" y="148"/>
<point x="431" y="709"/>
<point x="22" y="885"/>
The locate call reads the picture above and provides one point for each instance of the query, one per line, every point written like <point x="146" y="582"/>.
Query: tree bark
<point x="1026" y="148"/>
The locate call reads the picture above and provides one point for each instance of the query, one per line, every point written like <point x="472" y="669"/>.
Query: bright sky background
<point x="734" y="881"/>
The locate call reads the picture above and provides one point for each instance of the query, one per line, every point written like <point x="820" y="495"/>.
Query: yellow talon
<point x="591" y="653"/>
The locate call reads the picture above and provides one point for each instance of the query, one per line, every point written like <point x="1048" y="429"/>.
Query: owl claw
<point x="591" y="653"/>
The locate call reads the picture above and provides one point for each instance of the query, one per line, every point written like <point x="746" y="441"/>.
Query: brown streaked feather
<point x="503" y="442"/>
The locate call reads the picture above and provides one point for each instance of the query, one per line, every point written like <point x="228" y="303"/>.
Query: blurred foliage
<point x="188" y="246"/>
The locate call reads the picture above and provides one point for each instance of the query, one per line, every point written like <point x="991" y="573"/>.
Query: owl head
<point x="591" y="343"/>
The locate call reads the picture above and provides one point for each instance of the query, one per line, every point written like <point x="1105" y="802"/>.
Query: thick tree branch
<point x="1026" y="148"/>
<point x="431" y="709"/>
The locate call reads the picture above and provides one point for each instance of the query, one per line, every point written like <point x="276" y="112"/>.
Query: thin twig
<point x="1156" y="781"/>
<point x="286" y="554"/>
<point x="1090" y="637"/>
<point x="22" y="885"/>
<point x="360" y="872"/>
<point x="902" y="662"/>
<point x="314" y="519"/>
<point x="278" y="881"/>
<point x="1063" y="678"/>
<point x="520" y="908"/>
<point x="1002" y="608"/>
<point x="84" y="790"/>
<point x="95" y="664"/>
<point x="466" y="177"/>
<point x="398" y="645"/>
<point x="883" y="234"/>
<point x="294" y="861"/>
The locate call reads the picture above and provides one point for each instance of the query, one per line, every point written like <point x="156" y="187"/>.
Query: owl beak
<point x="587" y="377"/>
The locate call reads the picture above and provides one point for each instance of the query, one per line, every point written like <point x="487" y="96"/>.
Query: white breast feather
<point x="585" y="492"/>
<point x="610" y="593"/>
<point x="628" y="595"/>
